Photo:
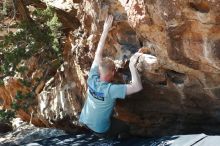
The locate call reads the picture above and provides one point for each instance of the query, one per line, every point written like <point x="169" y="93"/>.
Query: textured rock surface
<point x="25" y="133"/>
<point x="88" y="139"/>
<point x="181" y="94"/>
<point x="181" y="91"/>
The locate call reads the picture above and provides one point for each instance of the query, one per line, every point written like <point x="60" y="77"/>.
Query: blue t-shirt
<point x="100" y="102"/>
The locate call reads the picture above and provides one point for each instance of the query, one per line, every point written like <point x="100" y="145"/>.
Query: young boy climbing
<point x="102" y="94"/>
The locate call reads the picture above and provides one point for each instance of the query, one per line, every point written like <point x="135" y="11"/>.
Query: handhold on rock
<point x="147" y="62"/>
<point x="144" y="50"/>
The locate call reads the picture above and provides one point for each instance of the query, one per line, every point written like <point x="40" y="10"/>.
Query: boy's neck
<point x="105" y="79"/>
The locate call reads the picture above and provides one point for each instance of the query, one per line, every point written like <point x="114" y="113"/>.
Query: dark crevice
<point x="141" y="43"/>
<point x="175" y="77"/>
<point x="202" y="6"/>
<point x="163" y="83"/>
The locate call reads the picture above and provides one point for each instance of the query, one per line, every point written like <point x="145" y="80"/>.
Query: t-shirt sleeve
<point x="94" y="71"/>
<point x="117" y="91"/>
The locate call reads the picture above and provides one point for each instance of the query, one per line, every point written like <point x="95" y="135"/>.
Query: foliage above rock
<point x="31" y="38"/>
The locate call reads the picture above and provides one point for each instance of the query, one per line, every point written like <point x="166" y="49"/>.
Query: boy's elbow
<point x="140" y="88"/>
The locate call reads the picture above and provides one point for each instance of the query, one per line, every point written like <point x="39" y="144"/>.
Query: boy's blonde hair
<point x="106" y="65"/>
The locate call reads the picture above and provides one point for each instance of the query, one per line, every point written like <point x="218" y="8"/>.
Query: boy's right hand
<point x="108" y="22"/>
<point x="134" y="59"/>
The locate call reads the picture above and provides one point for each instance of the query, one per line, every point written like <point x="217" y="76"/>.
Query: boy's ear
<point x="113" y="72"/>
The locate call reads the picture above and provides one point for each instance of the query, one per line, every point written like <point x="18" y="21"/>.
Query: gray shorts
<point x="117" y="128"/>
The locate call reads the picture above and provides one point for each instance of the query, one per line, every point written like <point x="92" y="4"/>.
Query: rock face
<point x="181" y="90"/>
<point x="25" y="133"/>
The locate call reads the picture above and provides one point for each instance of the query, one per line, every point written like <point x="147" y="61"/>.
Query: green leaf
<point x="25" y="83"/>
<point x="19" y="95"/>
<point x="6" y="115"/>
<point x="22" y="69"/>
<point x="1" y="82"/>
<point x="15" y="106"/>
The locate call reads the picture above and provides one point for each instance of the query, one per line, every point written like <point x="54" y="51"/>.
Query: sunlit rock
<point x="180" y="69"/>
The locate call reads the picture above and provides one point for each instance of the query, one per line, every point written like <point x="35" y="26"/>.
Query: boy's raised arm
<point x="100" y="48"/>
